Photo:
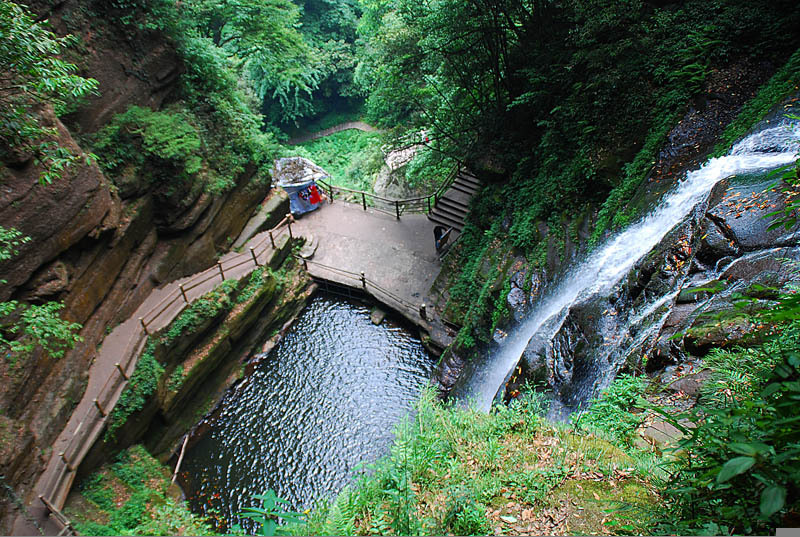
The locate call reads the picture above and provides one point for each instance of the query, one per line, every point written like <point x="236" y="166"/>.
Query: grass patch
<point x="352" y="157"/>
<point x="458" y="471"/>
<point x="130" y="497"/>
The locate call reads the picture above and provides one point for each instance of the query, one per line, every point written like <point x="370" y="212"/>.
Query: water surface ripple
<point x="325" y="399"/>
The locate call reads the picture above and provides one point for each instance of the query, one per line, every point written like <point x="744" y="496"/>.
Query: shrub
<point x="611" y="414"/>
<point x="140" y="387"/>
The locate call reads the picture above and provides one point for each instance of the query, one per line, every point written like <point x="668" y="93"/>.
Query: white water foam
<point x="605" y="267"/>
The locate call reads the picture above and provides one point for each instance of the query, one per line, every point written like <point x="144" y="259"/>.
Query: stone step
<point x="457" y="210"/>
<point x="466" y="189"/>
<point x="468" y="179"/>
<point x="466" y="173"/>
<point x="446" y="220"/>
<point x="457" y="197"/>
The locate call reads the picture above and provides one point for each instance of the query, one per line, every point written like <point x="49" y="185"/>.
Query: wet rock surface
<point x="702" y="269"/>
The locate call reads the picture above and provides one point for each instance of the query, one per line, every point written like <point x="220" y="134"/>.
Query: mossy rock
<point x="599" y="506"/>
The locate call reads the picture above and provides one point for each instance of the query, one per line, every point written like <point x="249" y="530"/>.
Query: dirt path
<point x="358" y="125"/>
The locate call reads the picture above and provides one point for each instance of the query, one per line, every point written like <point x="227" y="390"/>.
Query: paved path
<point x="398" y="255"/>
<point x="123" y="345"/>
<point x="358" y="125"/>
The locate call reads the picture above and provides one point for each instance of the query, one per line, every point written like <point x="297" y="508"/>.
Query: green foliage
<point x="611" y="415"/>
<point x="271" y="513"/>
<point x="95" y="489"/>
<point x="10" y="240"/>
<point x="142" y="384"/>
<point x="428" y="169"/>
<point x="132" y="494"/>
<point x="741" y="462"/>
<point x="140" y="134"/>
<point x="208" y="306"/>
<point x="175" y="379"/>
<point x="262" y="39"/>
<point x="787" y="217"/>
<point x="466" y="516"/>
<point x="258" y="278"/>
<point x="33" y="74"/>
<point x="352" y="157"/>
<point x="24" y="326"/>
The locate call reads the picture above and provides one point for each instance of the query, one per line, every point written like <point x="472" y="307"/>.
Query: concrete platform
<point x="397" y="255"/>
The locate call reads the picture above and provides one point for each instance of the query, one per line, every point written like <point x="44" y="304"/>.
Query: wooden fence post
<point x="363" y="281"/>
<point x="253" y="255"/>
<point x="99" y="408"/>
<point x="66" y="461"/>
<point x="364" y="201"/>
<point x="221" y="273"/>
<point x="141" y="321"/>
<point x="122" y="371"/>
<point x="272" y="239"/>
<point x="183" y="293"/>
<point x="397" y="209"/>
<point x="423" y="312"/>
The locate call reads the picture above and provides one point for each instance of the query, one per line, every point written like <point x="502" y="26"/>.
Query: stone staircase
<point x="452" y="207"/>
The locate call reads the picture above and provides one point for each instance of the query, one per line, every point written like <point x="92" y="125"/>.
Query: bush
<point x="742" y="462"/>
<point x="611" y="414"/>
<point x="140" y="135"/>
<point x="132" y="496"/>
<point x="142" y="384"/>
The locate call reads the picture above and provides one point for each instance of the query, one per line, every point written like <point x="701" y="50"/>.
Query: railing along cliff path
<point x="119" y="361"/>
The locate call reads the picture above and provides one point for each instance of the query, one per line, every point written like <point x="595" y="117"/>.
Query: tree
<point x="31" y="74"/>
<point x="262" y="38"/>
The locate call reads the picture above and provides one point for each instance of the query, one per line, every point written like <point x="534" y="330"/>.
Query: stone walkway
<point x="397" y="255"/>
<point x="123" y="346"/>
<point x="358" y="125"/>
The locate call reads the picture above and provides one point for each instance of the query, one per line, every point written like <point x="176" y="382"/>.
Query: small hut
<point x="298" y="177"/>
<point x="304" y="196"/>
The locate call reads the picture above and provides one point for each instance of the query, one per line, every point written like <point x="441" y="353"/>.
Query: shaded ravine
<point x="601" y="271"/>
<point x="357" y="125"/>
<point x="323" y="401"/>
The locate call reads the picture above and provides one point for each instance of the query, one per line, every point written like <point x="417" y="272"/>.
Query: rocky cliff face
<point x="98" y="248"/>
<point x="695" y="290"/>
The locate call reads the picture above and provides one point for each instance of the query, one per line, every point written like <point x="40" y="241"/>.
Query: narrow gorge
<point x="546" y="284"/>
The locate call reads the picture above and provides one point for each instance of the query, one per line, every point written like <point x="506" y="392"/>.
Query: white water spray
<point x="605" y="267"/>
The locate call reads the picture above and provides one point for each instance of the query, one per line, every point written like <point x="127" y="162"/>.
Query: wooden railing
<point x="360" y="280"/>
<point x="394" y="207"/>
<point x="180" y="295"/>
<point x="96" y="415"/>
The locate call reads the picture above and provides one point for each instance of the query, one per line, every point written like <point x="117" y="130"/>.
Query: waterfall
<point x="611" y="261"/>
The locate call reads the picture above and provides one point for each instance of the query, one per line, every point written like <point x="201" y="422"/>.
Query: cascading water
<point x="603" y="270"/>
